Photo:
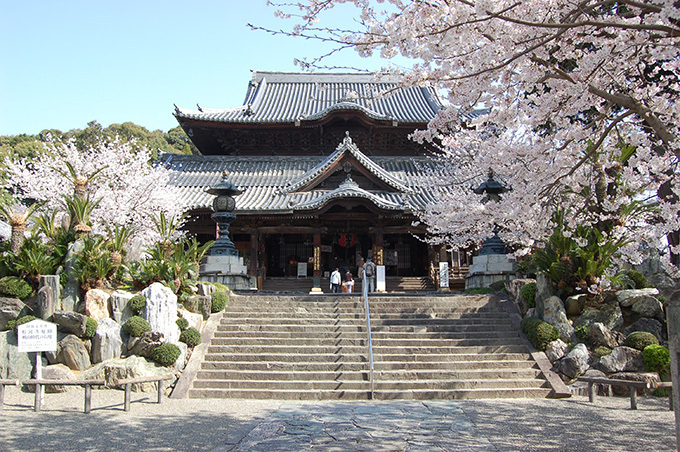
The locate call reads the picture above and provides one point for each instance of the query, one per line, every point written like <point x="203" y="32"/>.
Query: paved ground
<point x="269" y="426"/>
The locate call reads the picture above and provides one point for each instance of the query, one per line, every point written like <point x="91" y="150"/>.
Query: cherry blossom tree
<point x="580" y="109"/>
<point x="128" y="189"/>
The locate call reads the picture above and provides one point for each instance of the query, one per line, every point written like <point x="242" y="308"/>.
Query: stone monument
<point x="492" y="264"/>
<point x="222" y="263"/>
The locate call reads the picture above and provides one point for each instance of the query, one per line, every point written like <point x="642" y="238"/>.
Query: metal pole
<point x="673" y="321"/>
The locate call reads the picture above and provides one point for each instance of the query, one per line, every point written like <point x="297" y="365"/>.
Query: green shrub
<point x="191" y="337"/>
<point x="20" y="321"/>
<point x="137" y="304"/>
<point x="219" y="301"/>
<point x="479" y="291"/>
<point x="182" y="323"/>
<point x="638" y="279"/>
<point x="582" y="333"/>
<point x="136" y="326"/>
<point x="601" y="351"/>
<point x="15" y="287"/>
<point x="539" y="333"/>
<point x="640" y="339"/>
<point x="165" y="354"/>
<point x="90" y="328"/>
<point x="528" y="294"/>
<point x="657" y="358"/>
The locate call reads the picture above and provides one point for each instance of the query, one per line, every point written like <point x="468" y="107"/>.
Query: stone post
<point x="673" y="319"/>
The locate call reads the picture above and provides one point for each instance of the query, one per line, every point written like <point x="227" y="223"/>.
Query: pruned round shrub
<point x="191" y="337"/>
<point x="219" y="301"/>
<point x="165" y="354"/>
<point x="90" y="328"/>
<point x="640" y="339"/>
<point x="136" y="326"/>
<point x="539" y="333"/>
<point x="137" y="304"/>
<point x="528" y="294"/>
<point x="15" y="287"/>
<point x="182" y="323"/>
<point x="638" y="279"/>
<point x="657" y="358"/>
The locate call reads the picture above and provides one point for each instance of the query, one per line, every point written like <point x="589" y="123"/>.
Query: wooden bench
<point x="633" y="385"/>
<point x="86" y="383"/>
<point x="669" y="386"/>
<point x="3" y="383"/>
<point x="128" y="382"/>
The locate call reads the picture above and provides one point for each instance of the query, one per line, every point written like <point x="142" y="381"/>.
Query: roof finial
<point x="347" y="139"/>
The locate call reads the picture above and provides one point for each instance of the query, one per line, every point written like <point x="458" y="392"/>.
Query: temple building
<point x="327" y="171"/>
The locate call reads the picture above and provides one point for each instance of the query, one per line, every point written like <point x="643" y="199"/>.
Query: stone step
<point x="377" y="321"/>
<point x="274" y="377"/>
<point x="413" y="375"/>
<point x="467" y="355"/>
<point x="519" y="383"/>
<point x="224" y="330"/>
<point x="299" y="385"/>
<point x="286" y="366"/>
<point x="279" y="394"/>
<point x="288" y="357"/>
<point x="464" y="394"/>
<point x="292" y="341"/>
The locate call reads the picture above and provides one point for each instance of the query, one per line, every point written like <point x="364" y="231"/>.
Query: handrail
<point x="364" y="291"/>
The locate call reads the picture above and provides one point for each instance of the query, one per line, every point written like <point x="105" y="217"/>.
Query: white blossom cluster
<point x="568" y="86"/>
<point x="129" y="189"/>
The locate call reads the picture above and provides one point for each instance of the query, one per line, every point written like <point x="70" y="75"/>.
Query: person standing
<point x="369" y="271"/>
<point x="349" y="281"/>
<point x="336" y="280"/>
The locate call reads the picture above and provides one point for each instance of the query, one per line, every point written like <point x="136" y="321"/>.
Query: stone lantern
<point x="223" y="205"/>
<point x="492" y="263"/>
<point x="222" y="263"/>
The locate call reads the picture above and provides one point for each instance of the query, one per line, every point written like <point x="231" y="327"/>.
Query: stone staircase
<point x="315" y="347"/>
<point x="304" y="285"/>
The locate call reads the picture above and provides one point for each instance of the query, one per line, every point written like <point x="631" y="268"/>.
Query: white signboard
<point x="444" y="274"/>
<point x="37" y="336"/>
<point x="302" y="270"/>
<point x="380" y="278"/>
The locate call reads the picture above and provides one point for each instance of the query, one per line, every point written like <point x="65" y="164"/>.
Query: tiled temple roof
<point x="267" y="181"/>
<point x="280" y="97"/>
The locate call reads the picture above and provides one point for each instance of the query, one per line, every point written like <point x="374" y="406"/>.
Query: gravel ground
<point x="222" y="425"/>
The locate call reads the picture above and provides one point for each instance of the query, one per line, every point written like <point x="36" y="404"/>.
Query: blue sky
<point x="69" y="62"/>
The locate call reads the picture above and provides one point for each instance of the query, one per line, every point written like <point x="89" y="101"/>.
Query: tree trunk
<point x="17" y="237"/>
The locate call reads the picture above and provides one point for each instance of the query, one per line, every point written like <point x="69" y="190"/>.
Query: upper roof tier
<point x="284" y="97"/>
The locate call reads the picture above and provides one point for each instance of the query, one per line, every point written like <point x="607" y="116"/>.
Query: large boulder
<point x="144" y="344"/>
<point x="45" y="303"/>
<point x="649" y="307"/>
<point x="199" y="304"/>
<point x="576" y="362"/>
<point x="53" y="282"/>
<point x="514" y="288"/>
<point x="14" y="365"/>
<point x="631" y="296"/>
<point x="621" y="359"/>
<point x="119" y="306"/>
<point x="71" y="295"/>
<point x="608" y="314"/>
<point x="72" y="352"/>
<point x="58" y="372"/>
<point x="107" y="342"/>
<point x="574" y="305"/>
<point x="545" y="289"/>
<point x="648" y="325"/>
<point x="161" y="311"/>
<point x="97" y="304"/>
<point x="70" y="322"/>
<point x="650" y="377"/>
<point x="9" y="310"/>
<point x="195" y="320"/>
<point x="601" y="335"/>
<point x="130" y="367"/>
<point x="556" y="350"/>
<point x="183" y="355"/>
<point x="554" y="314"/>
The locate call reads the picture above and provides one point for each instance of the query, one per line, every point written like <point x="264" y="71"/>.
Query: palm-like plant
<point x="16" y="214"/>
<point x="79" y="210"/>
<point x="118" y="237"/>
<point x="80" y="181"/>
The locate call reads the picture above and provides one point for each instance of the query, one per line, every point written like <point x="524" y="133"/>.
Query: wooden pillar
<point x="378" y="253"/>
<point x="254" y="246"/>
<point x="316" y="288"/>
